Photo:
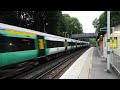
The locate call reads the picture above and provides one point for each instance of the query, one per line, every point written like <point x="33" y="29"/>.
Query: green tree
<point x="61" y="27"/>
<point x="102" y="20"/>
<point x="92" y="41"/>
<point x="96" y="24"/>
<point x="71" y="25"/>
<point x="51" y="22"/>
<point x="53" y="18"/>
<point x="36" y="20"/>
<point x="8" y="17"/>
<point x="115" y="17"/>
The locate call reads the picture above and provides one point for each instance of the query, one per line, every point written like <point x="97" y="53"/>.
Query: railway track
<point x="44" y="70"/>
<point x="58" y="70"/>
<point x="47" y="71"/>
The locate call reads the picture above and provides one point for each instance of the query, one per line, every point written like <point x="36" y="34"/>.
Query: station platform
<point x="91" y="65"/>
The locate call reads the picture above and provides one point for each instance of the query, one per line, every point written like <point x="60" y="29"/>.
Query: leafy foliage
<point x="102" y="20"/>
<point x="70" y="25"/>
<point x="52" y="22"/>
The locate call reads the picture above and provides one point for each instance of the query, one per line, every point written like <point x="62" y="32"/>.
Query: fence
<point x="115" y="60"/>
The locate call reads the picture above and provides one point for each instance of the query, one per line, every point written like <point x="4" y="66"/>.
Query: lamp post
<point x="45" y="27"/>
<point x="65" y="33"/>
<point x="68" y="35"/>
<point x="108" y="41"/>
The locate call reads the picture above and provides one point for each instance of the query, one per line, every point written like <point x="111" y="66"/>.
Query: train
<point x="19" y="44"/>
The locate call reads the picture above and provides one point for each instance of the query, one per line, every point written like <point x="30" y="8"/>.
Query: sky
<point x="85" y="18"/>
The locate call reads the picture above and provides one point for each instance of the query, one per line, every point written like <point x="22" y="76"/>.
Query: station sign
<point x="113" y="43"/>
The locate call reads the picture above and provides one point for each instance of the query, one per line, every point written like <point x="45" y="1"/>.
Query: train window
<point x="78" y="43"/>
<point x="52" y="44"/>
<point x="12" y="44"/>
<point x="2" y="44"/>
<point x="74" y="43"/>
<point x="69" y="43"/>
<point x="82" y="43"/>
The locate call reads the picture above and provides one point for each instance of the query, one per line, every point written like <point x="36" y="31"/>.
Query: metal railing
<point x="115" y="61"/>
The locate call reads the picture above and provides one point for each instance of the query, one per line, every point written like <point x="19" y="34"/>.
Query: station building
<point x="114" y="45"/>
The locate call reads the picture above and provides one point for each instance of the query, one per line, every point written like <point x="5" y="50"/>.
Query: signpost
<point x="108" y="41"/>
<point x="111" y="43"/>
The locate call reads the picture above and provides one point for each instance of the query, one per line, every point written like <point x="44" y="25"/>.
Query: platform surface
<point x="91" y="65"/>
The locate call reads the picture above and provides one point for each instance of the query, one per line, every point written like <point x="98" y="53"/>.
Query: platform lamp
<point x="45" y="27"/>
<point x="108" y="41"/>
<point x="65" y="33"/>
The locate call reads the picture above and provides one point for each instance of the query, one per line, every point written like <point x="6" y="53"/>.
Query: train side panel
<point x="54" y="45"/>
<point x="17" y="57"/>
<point x="16" y="47"/>
<point x="50" y="51"/>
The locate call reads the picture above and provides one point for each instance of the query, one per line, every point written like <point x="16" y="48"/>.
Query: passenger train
<point x="19" y="45"/>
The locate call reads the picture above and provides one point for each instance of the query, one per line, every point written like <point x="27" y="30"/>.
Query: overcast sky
<point x="85" y="18"/>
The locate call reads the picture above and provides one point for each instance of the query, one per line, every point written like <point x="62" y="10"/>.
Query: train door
<point x="66" y="44"/>
<point x="41" y="45"/>
<point x="76" y="44"/>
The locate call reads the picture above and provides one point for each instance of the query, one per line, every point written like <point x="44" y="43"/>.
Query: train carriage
<point x="78" y="43"/>
<point x="68" y="44"/>
<point x="17" y="47"/>
<point x="19" y="44"/>
<point x="54" y="45"/>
